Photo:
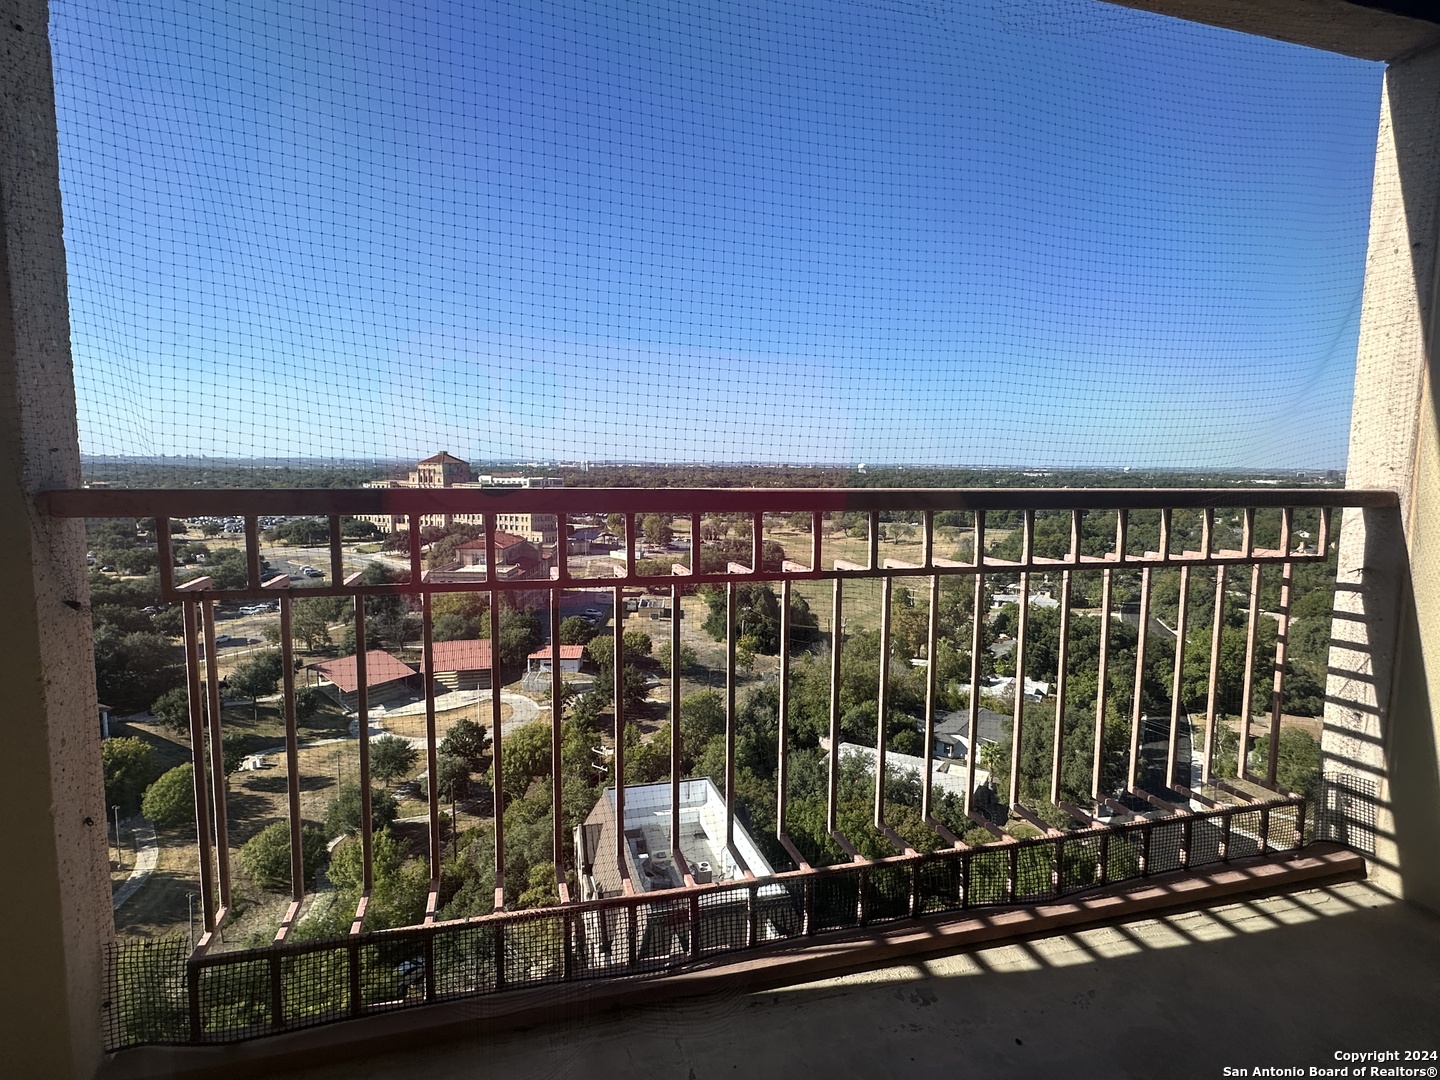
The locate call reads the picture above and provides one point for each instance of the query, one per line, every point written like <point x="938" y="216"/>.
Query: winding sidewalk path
<point x="145" y="862"/>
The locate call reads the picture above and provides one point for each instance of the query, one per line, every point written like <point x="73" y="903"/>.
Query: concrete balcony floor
<point x="1280" y="981"/>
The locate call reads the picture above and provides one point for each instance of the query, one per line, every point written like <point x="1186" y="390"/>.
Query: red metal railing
<point x="1179" y="827"/>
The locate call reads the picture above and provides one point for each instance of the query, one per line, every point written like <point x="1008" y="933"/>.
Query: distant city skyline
<point x="991" y="235"/>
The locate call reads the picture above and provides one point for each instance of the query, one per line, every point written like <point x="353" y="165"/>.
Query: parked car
<point x="310" y="571"/>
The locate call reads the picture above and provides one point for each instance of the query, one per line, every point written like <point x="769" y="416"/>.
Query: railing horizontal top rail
<point x="176" y="502"/>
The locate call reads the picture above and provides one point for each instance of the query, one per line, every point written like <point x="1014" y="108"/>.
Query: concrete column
<point x="55" y="917"/>
<point x="1382" y="716"/>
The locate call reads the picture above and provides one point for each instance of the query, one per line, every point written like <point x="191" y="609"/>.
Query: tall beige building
<point x="445" y="470"/>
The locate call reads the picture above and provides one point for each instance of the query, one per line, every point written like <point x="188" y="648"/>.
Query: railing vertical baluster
<point x="252" y="552"/>
<point x="337" y="563"/>
<point x="1022" y="626"/>
<point x="1137" y="704"/>
<point x="362" y="692"/>
<point x="1145" y="833"/>
<point x="292" y="761"/>
<point x="432" y="758"/>
<point x="882" y="704"/>
<point x="675" y="740"/>
<point x="1247" y="691"/>
<point x="782" y="747"/>
<point x="557" y="717"/>
<point x="977" y="644"/>
<point x="190" y="613"/>
<point x="1282" y="646"/>
<point x="218" y="789"/>
<point x="1063" y="664"/>
<point x="932" y="638"/>
<point x="837" y="633"/>
<point x="497" y="725"/>
<point x="1217" y="628"/>
<point x="873" y="557"/>
<point x="629" y="553"/>
<point x="1177" y="685"/>
<point x="1012" y="872"/>
<point x="731" y="677"/>
<point x="618" y="639"/>
<point x="164" y="555"/>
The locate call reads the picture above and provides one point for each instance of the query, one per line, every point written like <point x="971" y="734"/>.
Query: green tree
<point x="234" y="749"/>
<point x="391" y="757"/>
<point x="576" y="631"/>
<point x="311" y="623"/>
<point x="308" y="700"/>
<point x="467" y="741"/>
<point x="452" y="778"/>
<point x="170" y="800"/>
<point x="266" y="855"/>
<point x="1297" y="762"/>
<point x="346" y="808"/>
<point x="257" y="676"/>
<point x="172" y="709"/>
<point x="637" y="643"/>
<point x="130" y="768"/>
<point x="539" y="887"/>
<point x="688" y="660"/>
<point x="525" y="757"/>
<point x="656" y="528"/>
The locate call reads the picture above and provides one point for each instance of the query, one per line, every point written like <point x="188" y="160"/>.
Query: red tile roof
<point x="443" y="458"/>
<point x="465" y="655"/>
<point x="502" y="540"/>
<point x="567" y="652"/>
<point x="380" y="668"/>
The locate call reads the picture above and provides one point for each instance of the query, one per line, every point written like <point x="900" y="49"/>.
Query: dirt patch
<point x="413" y="726"/>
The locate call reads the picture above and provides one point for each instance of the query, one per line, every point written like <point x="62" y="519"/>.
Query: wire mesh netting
<point x="944" y="233"/>
<point x="148" y="1001"/>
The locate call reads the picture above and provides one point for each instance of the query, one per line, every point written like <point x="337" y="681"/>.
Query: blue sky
<point x="979" y="233"/>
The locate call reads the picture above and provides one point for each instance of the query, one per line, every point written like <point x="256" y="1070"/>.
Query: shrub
<point x="266" y="855"/>
<point x="344" y="814"/>
<point x="170" y="800"/>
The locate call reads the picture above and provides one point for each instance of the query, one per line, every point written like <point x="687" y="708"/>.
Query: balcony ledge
<point x="1143" y="909"/>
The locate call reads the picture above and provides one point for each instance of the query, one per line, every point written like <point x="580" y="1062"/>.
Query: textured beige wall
<point x="55" y="898"/>
<point x="1382" y="708"/>
<point x="1354" y="29"/>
